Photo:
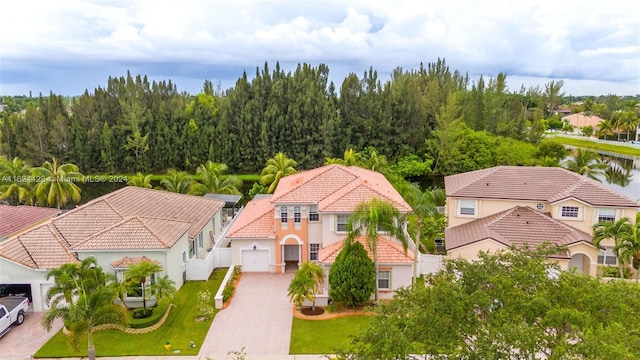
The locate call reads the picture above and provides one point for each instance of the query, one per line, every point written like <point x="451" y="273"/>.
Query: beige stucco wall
<point x="329" y="233"/>
<point x="470" y="252"/>
<point x="591" y="252"/>
<point x="237" y="245"/>
<point x="13" y="273"/>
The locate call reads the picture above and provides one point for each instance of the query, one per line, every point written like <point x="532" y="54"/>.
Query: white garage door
<point x="255" y="260"/>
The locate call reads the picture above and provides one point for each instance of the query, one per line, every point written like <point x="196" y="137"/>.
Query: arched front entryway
<point x="291" y="247"/>
<point x="581" y="263"/>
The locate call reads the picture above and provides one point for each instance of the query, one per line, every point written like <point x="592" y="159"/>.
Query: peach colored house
<point x="125" y="225"/>
<point x="581" y="120"/>
<point x="495" y="208"/>
<point x="305" y="220"/>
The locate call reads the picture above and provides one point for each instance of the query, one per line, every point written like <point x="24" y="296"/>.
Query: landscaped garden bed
<point x="180" y="329"/>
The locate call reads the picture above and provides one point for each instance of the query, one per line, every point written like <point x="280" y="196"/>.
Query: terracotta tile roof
<point x="16" y="218"/>
<point x="126" y="261"/>
<point x="136" y="233"/>
<point x="389" y="252"/>
<point x="516" y="226"/>
<point x="40" y="248"/>
<point x="255" y="221"/>
<point x="582" y="120"/>
<point x="336" y="188"/>
<point x="84" y="221"/>
<point x="533" y="183"/>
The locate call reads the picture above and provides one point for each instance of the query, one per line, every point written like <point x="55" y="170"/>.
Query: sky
<point x="67" y="46"/>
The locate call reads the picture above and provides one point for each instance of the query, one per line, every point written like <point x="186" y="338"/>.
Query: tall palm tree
<point x="424" y="205"/>
<point x="606" y="127"/>
<point x="137" y="274"/>
<point x="370" y="216"/>
<point x="177" y="181"/>
<point x="277" y="167"/>
<point x="57" y="183"/>
<point x="586" y="162"/>
<point x="213" y="181"/>
<point x="15" y="184"/>
<point x="630" y="247"/>
<point x="617" y="231"/>
<point x="140" y="180"/>
<point x="90" y="301"/>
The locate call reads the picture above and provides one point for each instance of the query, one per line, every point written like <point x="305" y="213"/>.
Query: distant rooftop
<point x="13" y="219"/>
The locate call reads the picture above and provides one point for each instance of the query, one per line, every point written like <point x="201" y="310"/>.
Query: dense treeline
<point x="133" y="125"/>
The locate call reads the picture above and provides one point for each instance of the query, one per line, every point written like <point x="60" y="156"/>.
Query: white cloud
<point x="572" y="40"/>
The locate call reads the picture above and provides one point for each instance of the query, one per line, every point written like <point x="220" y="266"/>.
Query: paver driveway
<point x="258" y="319"/>
<point x="23" y="341"/>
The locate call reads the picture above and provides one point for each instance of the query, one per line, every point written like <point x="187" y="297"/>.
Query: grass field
<point x="620" y="149"/>
<point x="180" y="329"/>
<point x="324" y="336"/>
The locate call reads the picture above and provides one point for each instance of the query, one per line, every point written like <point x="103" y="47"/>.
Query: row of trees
<point x="133" y="125"/>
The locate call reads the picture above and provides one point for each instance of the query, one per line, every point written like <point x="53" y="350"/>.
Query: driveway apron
<point x="258" y="318"/>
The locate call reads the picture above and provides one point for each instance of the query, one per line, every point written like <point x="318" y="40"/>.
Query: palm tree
<point x="374" y="161"/>
<point x="212" y="180"/>
<point x="586" y="162"/>
<point x="630" y="247"/>
<point x="137" y="275"/>
<point x="177" y="181"/>
<point x="15" y="185"/>
<point x="351" y="157"/>
<point x="277" y="167"/>
<point x="140" y="180"/>
<point x="617" y="231"/>
<point x="90" y="301"/>
<point x="57" y="183"/>
<point x="606" y="127"/>
<point x="370" y="216"/>
<point x="424" y="205"/>
<point x="164" y="288"/>
<point x="306" y="284"/>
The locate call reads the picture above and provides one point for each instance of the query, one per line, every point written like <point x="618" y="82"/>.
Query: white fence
<point x="200" y="269"/>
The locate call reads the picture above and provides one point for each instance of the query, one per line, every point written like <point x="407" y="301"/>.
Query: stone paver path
<point x="258" y="318"/>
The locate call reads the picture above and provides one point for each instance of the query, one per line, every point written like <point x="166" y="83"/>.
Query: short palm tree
<point x="57" y="183"/>
<point x="606" y="127"/>
<point x="140" y="180"/>
<point x="587" y="163"/>
<point x="370" y="216"/>
<point x="277" y="167"/>
<point x="177" y="181"/>
<point x="306" y="283"/>
<point x="630" y="247"/>
<point x="164" y="288"/>
<point x="15" y="186"/>
<point x="351" y="157"/>
<point x="137" y="274"/>
<point x="212" y="180"/>
<point x="617" y="231"/>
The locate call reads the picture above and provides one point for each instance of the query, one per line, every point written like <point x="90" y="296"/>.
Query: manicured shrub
<point x="352" y="276"/>
<point x="157" y="314"/>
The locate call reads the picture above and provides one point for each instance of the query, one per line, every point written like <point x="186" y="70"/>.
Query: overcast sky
<point x="67" y="46"/>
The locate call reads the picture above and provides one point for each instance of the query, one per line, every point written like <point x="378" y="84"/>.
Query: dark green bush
<point x="142" y="313"/>
<point x="156" y="315"/>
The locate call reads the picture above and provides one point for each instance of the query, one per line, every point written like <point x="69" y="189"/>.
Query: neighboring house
<point x="581" y="120"/>
<point x="118" y="228"/>
<point x="495" y="208"/>
<point x="16" y="219"/>
<point x="305" y="220"/>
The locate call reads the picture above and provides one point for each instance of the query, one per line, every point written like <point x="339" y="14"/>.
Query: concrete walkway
<point x="258" y="318"/>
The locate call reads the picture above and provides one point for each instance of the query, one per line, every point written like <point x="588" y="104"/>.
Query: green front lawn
<point x="325" y="336"/>
<point x="180" y="329"/>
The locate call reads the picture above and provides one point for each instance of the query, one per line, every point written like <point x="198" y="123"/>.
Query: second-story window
<point x="313" y="213"/>
<point x="341" y="222"/>
<point x="284" y="216"/>
<point x="606" y="215"/>
<point x="297" y="214"/>
<point x="467" y="207"/>
<point x="569" y="211"/>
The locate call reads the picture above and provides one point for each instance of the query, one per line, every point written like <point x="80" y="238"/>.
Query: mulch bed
<point x="312" y="311"/>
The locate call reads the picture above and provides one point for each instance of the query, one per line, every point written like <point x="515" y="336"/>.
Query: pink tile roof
<point x="336" y="188"/>
<point x="40" y="248"/>
<point x="255" y="221"/>
<point x="126" y="261"/>
<point x="582" y="120"/>
<point x="515" y="226"/>
<point x="16" y="218"/>
<point x="389" y="252"/>
<point x="136" y="233"/>
<point x="551" y="184"/>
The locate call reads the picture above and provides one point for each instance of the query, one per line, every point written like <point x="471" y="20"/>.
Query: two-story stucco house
<point x="117" y="229"/>
<point x="492" y="209"/>
<point x="305" y="220"/>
